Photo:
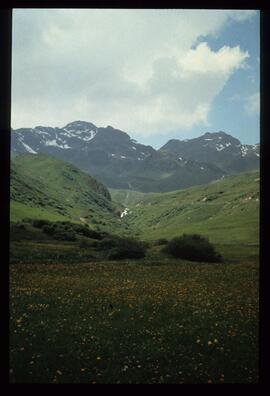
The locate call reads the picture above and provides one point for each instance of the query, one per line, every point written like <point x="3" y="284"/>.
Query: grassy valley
<point x="226" y="211"/>
<point x="85" y="307"/>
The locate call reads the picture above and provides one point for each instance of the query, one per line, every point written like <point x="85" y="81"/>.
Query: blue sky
<point x="230" y="109"/>
<point x="156" y="74"/>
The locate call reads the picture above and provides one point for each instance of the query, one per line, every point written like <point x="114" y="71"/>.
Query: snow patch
<point x="201" y="167"/>
<point x="76" y="133"/>
<point x="244" y="151"/>
<point x="124" y="213"/>
<point x="122" y="156"/>
<point x="208" y="139"/>
<point x="220" y="147"/>
<point x="54" y="143"/>
<point x="28" y="148"/>
<point x="134" y="148"/>
<point x="90" y="137"/>
<point x="40" y="132"/>
<point x="180" y="158"/>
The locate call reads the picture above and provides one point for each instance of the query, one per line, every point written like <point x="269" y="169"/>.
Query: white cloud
<point x="138" y="70"/>
<point x="252" y="104"/>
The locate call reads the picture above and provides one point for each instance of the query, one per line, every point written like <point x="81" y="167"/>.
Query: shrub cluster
<point x="114" y="247"/>
<point x="65" y="230"/>
<point x="107" y="243"/>
<point x="193" y="247"/>
<point x="127" y="248"/>
<point x="161" y="241"/>
<point x="39" y="223"/>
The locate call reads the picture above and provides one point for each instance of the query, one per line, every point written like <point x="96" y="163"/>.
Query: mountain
<point x="44" y="187"/>
<point x="118" y="161"/>
<point x="106" y="153"/>
<point x="217" y="148"/>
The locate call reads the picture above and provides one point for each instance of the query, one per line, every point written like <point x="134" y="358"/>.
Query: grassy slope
<point x="43" y="187"/>
<point x="19" y="211"/>
<point x="227" y="211"/>
<point x="127" y="197"/>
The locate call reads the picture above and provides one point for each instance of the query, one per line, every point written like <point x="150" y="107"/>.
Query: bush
<point x="65" y="235"/>
<point x="27" y="220"/>
<point x="40" y="223"/>
<point x="89" y="233"/>
<point x="49" y="228"/>
<point x="193" y="247"/>
<point x="85" y="244"/>
<point x="161" y="241"/>
<point x="107" y="243"/>
<point x="128" y="248"/>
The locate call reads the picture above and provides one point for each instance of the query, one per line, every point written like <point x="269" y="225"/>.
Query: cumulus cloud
<point x="139" y="70"/>
<point x="252" y="104"/>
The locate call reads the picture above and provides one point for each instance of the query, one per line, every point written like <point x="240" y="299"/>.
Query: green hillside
<point x="43" y="187"/>
<point x="127" y="197"/>
<point x="226" y="211"/>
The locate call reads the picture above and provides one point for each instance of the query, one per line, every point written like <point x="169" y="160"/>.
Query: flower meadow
<point x="134" y="323"/>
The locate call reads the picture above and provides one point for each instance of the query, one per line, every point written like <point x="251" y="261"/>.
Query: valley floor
<point x="134" y="322"/>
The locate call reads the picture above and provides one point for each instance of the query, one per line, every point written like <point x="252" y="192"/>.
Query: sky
<point x="156" y="74"/>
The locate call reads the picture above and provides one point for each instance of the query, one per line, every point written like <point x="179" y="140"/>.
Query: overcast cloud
<point x="147" y="71"/>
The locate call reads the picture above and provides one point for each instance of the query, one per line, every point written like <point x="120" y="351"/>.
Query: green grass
<point x="176" y="322"/>
<point x="127" y="197"/>
<point x="43" y="187"/>
<point x="20" y="211"/>
<point x="226" y="211"/>
<point x="77" y="318"/>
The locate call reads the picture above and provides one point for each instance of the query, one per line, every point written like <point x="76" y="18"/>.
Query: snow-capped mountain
<point x="118" y="161"/>
<point x="217" y="148"/>
<point x="78" y="135"/>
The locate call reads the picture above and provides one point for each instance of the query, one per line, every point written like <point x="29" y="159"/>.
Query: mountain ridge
<point x="118" y="161"/>
<point x="219" y="148"/>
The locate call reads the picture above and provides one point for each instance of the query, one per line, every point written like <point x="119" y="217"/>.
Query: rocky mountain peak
<point x="79" y="126"/>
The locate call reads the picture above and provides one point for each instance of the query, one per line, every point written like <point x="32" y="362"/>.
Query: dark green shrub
<point x="39" y="223"/>
<point x="128" y="248"/>
<point x="161" y="241"/>
<point x="49" y="229"/>
<point x="90" y="233"/>
<point x="95" y="244"/>
<point x="193" y="247"/>
<point x="85" y="244"/>
<point x="27" y="220"/>
<point x="107" y="243"/>
<point x="65" y="235"/>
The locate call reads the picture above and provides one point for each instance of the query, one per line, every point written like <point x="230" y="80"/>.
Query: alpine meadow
<point x="134" y="223"/>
